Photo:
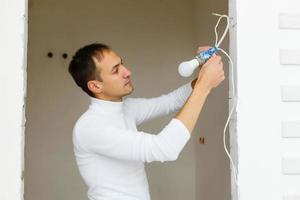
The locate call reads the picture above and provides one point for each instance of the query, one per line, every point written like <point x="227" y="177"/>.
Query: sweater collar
<point x="106" y="106"/>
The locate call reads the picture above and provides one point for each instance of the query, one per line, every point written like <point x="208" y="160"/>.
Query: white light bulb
<point x="187" y="68"/>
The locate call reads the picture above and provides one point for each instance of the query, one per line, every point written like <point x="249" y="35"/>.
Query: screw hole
<point x="50" y="54"/>
<point x="65" y="56"/>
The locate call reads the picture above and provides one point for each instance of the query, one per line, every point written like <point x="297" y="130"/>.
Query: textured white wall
<point x="233" y="74"/>
<point x="261" y="109"/>
<point x="13" y="39"/>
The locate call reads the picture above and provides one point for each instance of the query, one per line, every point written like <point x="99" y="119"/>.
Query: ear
<point x="95" y="87"/>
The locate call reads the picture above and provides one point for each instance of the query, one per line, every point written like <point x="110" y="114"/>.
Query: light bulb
<point x="187" y="68"/>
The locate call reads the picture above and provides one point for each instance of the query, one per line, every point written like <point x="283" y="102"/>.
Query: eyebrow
<point x="117" y="64"/>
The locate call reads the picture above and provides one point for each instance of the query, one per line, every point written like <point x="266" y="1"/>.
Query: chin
<point x="129" y="92"/>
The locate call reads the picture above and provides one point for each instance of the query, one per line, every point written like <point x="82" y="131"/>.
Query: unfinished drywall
<point x="153" y="38"/>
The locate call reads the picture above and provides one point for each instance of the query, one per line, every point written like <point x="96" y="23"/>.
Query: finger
<point x="218" y="58"/>
<point x="210" y="60"/>
<point x="214" y="59"/>
<point x="203" y="48"/>
<point x="222" y="78"/>
<point x="222" y="75"/>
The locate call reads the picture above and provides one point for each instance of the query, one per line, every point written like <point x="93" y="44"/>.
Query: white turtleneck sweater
<point x="110" y="152"/>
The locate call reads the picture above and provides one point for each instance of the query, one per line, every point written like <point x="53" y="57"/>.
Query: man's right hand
<point x="210" y="76"/>
<point x="211" y="73"/>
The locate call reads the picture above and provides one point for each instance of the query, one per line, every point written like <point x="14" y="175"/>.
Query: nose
<point x="126" y="73"/>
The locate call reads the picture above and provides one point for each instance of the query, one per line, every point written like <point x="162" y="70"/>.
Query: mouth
<point x="128" y="82"/>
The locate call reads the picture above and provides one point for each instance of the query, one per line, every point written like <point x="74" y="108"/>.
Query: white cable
<point x="216" y="32"/>
<point x="217" y="44"/>
<point x="229" y="116"/>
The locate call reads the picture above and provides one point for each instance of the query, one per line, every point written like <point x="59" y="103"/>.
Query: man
<point x="109" y="150"/>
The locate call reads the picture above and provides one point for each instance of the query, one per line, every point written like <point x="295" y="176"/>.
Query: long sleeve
<point x="144" y="109"/>
<point x="132" y="145"/>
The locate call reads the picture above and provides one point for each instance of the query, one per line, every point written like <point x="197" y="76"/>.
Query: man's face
<point x="114" y="75"/>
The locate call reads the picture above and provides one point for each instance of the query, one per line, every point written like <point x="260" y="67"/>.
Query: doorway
<point x="153" y="37"/>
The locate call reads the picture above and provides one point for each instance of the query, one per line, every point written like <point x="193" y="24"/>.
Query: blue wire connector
<point x="203" y="56"/>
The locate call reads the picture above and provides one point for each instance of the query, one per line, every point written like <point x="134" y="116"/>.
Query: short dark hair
<point x="82" y="66"/>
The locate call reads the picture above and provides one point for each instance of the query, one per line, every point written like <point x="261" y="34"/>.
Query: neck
<point x="109" y="98"/>
<point x="106" y="106"/>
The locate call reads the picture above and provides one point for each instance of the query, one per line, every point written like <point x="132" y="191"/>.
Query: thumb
<point x="204" y="48"/>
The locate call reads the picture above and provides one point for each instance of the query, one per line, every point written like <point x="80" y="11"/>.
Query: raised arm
<point x="114" y="142"/>
<point x="144" y="109"/>
<point x="132" y="145"/>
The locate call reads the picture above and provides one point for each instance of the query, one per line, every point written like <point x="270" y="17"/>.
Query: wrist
<point x="202" y="87"/>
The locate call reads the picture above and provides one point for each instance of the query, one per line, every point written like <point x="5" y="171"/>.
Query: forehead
<point x="106" y="60"/>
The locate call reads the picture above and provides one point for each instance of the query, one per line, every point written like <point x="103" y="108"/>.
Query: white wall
<point x="261" y="109"/>
<point x="13" y="40"/>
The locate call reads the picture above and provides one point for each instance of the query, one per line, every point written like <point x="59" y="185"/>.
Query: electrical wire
<point x="217" y="43"/>
<point x="228" y="119"/>
<point x="234" y="98"/>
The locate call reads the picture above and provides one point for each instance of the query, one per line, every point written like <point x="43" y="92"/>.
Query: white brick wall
<point x="268" y="111"/>
<point x="289" y="53"/>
